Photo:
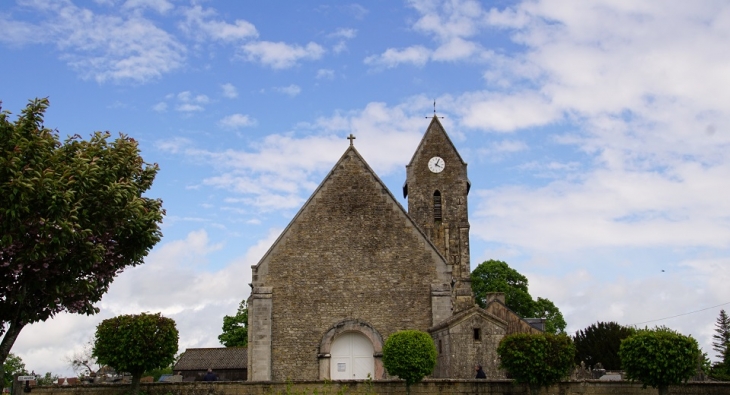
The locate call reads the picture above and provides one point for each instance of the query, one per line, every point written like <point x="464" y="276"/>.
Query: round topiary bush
<point x="659" y="357"/>
<point x="538" y="360"/>
<point x="410" y="355"/>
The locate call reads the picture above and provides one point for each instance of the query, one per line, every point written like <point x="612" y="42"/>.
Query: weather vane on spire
<point x="434" y="110"/>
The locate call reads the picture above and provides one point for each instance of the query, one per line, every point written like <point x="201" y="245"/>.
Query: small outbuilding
<point x="229" y="363"/>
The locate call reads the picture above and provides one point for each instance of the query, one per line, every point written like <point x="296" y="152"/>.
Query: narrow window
<point x="437" y="206"/>
<point x="477" y="334"/>
<point x="440" y="348"/>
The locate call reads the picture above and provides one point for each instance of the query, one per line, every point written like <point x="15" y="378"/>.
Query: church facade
<point x="353" y="266"/>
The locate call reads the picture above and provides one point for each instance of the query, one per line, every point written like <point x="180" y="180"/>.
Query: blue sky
<point x="596" y="134"/>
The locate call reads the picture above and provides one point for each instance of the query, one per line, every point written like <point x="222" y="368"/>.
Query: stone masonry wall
<point x="350" y="254"/>
<point x="458" y="350"/>
<point x="451" y="235"/>
<point x="389" y="387"/>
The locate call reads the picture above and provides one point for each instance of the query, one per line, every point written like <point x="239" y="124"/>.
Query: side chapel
<point x="353" y="267"/>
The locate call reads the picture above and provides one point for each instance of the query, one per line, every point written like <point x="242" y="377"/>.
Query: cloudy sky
<point x="596" y="134"/>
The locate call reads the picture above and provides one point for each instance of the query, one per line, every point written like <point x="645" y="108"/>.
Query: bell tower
<point x="437" y="187"/>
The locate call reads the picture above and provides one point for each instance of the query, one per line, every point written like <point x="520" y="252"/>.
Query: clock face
<point x="436" y="164"/>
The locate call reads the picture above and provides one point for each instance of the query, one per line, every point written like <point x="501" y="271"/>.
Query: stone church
<point x="353" y="267"/>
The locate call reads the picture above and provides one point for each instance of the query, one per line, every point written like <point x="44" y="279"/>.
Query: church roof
<point x="497" y="306"/>
<point x="213" y="358"/>
<point x="351" y="151"/>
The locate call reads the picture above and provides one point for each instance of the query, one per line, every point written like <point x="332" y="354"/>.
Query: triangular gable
<point x="435" y="127"/>
<point x="391" y="199"/>
<point x="466" y="314"/>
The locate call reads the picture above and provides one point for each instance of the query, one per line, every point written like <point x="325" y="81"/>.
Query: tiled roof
<point x="215" y="358"/>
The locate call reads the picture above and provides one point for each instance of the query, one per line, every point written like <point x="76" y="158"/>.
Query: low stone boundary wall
<point x="387" y="387"/>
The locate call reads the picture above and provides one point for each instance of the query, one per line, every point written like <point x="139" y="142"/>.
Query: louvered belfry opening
<point x="437" y="206"/>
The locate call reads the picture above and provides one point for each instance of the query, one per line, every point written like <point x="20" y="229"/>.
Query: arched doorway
<point x="352" y="357"/>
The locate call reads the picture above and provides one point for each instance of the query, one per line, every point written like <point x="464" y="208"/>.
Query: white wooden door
<point x="351" y="357"/>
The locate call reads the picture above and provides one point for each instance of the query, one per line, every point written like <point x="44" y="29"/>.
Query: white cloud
<point x="640" y="100"/>
<point x="279" y="55"/>
<point x="325" y="74"/>
<point x="282" y="170"/>
<point x="506" y="112"/>
<point x="187" y="97"/>
<point x="236" y="121"/>
<point x="291" y="90"/>
<point x="344" y="33"/>
<point x="160" y="107"/>
<point x="174" y="145"/>
<point x="449" y="19"/>
<point x="189" y="103"/>
<point x="356" y="10"/>
<point x="416" y="55"/>
<point x="455" y="49"/>
<point x="101" y="47"/>
<point x="229" y="91"/>
<point x="451" y="24"/>
<point x="189" y="107"/>
<point x="161" y="6"/>
<point x="499" y="149"/>
<point x="198" y="24"/>
<point x="19" y="33"/>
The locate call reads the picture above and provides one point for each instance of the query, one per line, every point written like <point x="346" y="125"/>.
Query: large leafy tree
<point x="538" y="360"/>
<point x="659" y="357"/>
<point x="235" y="328"/>
<point x="498" y="276"/>
<point x="13" y="365"/>
<point x="136" y="343"/>
<point x="600" y="342"/>
<point x="72" y="217"/>
<point x="410" y="355"/>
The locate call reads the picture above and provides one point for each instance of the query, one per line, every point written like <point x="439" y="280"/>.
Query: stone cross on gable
<point x="351" y="138"/>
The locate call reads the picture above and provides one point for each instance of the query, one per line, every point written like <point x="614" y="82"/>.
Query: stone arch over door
<point x="350" y="326"/>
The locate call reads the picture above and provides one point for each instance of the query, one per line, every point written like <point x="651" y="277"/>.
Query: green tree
<point x="721" y="338"/>
<point x="659" y="357"/>
<point x="136" y="343"/>
<point x="554" y="321"/>
<point x="410" y="355"/>
<point x="600" y="342"/>
<point x="720" y="370"/>
<point x="72" y="217"/>
<point x="497" y="276"/>
<point x="47" y="379"/>
<point x="13" y="365"/>
<point x="235" y="328"/>
<point x="538" y="360"/>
